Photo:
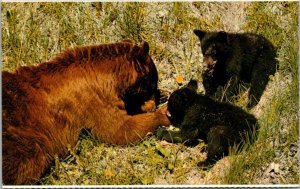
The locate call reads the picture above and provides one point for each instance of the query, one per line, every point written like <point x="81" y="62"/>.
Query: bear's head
<point x="214" y="46"/>
<point x="144" y="91"/>
<point x="180" y="100"/>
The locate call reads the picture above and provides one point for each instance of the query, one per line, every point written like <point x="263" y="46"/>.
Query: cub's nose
<point x="209" y="62"/>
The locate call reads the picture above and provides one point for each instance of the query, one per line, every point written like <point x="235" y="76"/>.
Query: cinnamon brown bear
<point x="105" y="88"/>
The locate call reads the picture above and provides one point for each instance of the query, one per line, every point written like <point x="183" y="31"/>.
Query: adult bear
<point x="105" y="88"/>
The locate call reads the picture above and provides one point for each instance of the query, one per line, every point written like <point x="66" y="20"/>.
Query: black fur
<point x="247" y="58"/>
<point x="222" y="125"/>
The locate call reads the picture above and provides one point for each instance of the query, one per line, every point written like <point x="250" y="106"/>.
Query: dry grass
<point x="32" y="33"/>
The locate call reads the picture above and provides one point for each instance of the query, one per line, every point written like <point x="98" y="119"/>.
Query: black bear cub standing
<point x="222" y="125"/>
<point x="245" y="57"/>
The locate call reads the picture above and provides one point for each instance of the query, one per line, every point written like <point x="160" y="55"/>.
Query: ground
<point x="34" y="32"/>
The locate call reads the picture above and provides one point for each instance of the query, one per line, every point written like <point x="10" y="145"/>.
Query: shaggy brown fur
<point x="45" y="107"/>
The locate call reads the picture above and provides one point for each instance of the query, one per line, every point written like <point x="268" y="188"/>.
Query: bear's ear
<point x="140" y="52"/>
<point x="145" y="49"/>
<point x="200" y="33"/>
<point x="222" y="37"/>
<point x="193" y="85"/>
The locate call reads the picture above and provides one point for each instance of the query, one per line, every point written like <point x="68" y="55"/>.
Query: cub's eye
<point x="213" y="52"/>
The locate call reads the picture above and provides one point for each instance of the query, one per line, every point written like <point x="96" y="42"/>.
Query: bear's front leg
<point x="122" y="128"/>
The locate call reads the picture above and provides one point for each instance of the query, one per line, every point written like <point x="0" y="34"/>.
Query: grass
<point x="279" y="124"/>
<point x="32" y="33"/>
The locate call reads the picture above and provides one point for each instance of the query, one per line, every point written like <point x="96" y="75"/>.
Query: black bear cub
<point x="238" y="58"/>
<point x="221" y="125"/>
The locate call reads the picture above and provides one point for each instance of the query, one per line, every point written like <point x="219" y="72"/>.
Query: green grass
<point x="279" y="124"/>
<point x="32" y="33"/>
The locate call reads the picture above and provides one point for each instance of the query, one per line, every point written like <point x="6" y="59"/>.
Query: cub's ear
<point x="222" y="37"/>
<point x="200" y="33"/>
<point x="193" y="85"/>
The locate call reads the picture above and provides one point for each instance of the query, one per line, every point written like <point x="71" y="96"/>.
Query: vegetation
<point x="32" y="33"/>
<point x="279" y="124"/>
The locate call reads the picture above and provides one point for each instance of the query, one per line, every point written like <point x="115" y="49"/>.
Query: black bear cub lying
<point x="221" y="125"/>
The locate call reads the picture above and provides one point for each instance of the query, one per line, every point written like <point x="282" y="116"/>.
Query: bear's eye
<point x="210" y="53"/>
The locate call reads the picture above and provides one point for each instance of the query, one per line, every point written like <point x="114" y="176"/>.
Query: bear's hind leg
<point x="219" y="140"/>
<point x="24" y="160"/>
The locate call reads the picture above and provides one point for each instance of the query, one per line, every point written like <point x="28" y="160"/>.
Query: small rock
<point x="272" y="175"/>
<point x="276" y="168"/>
<point x="273" y="167"/>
